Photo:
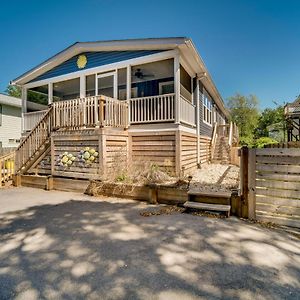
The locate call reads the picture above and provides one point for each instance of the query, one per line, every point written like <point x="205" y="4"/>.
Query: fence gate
<point x="270" y="185"/>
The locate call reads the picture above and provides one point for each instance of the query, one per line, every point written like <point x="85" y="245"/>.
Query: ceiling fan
<point x="140" y="75"/>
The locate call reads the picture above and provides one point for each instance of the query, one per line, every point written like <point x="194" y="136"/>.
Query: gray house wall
<point x="10" y="126"/>
<point x="206" y="129"/>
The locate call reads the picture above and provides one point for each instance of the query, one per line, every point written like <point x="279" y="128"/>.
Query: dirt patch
<point x="216" y="178"/>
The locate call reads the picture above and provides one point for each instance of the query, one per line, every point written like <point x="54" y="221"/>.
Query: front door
<point x="106" y="84"/>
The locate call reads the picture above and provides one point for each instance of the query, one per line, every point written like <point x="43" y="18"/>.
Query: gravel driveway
<point x="57" y="245"/>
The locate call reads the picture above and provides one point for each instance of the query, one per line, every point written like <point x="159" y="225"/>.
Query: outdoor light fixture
<point x="201" y="75"/>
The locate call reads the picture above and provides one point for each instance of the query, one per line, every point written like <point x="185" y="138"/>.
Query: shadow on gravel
<point x="84" y="250"/>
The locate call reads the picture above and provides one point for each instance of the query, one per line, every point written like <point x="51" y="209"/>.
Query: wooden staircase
<point x="35" y="144"/>
<point x="221" y="152"/>
<point x="224" y="137"/>
<point x="70" y="115"/>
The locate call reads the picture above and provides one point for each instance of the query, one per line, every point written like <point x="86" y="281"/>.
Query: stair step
<point x="207" y="206"/>
<point x="210" y="194"/>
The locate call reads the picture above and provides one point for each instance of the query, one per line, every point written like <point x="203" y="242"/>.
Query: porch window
<point x="38" y="95"/>
<point x="166" y="87"/>
<point x="66" y="90"/>
<point x="90" y="87"/>
<point x="185" y="84"/>
<point x="207" y="110"/>
<point x="122" y="82"/>
<point x="150" y="79"/>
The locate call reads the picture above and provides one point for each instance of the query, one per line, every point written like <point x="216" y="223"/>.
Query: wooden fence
<point x="270" y="185"/>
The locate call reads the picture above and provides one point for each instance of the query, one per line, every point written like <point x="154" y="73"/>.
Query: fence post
<point x="251" y="184"/>
<point x="244" y="183"/>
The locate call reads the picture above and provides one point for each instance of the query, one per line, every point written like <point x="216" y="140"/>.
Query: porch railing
<point x="7" y="167"/>
<point x="32" y="118"/>
<point x="90" y="112"/>
<point x="152" y="109"/>
<point x="187" y="112"/>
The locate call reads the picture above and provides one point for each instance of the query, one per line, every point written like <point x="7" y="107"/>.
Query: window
<point x="166" y="87"/>
<point x="207" y="110"/>
<point x="0" y="115"/>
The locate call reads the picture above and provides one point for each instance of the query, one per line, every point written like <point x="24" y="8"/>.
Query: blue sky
<point x="249" y="46"/>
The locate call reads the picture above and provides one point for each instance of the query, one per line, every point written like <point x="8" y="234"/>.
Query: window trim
<point x="205" y="109"/>
<point x="161" y="84"/>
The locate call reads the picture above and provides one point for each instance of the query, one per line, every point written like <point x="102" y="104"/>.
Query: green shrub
<point x="263" y="141"/>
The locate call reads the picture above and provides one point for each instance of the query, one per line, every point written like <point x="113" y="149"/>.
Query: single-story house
<point x="143" y="100"/>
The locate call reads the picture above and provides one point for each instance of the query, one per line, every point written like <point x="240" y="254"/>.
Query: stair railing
<point x="230" y="134"/>
<point x="34" y="140"/>
<point x="7" y="166"/>
<point x="214" y="140"/>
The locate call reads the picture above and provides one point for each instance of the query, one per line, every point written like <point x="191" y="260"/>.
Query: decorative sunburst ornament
<point x="81" y="61"/>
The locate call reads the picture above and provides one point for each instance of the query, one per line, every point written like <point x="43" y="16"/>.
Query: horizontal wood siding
<point x="188" y="152"/>
<point x="154" y="148"/>
<point x="94" y="59"/>
<point x="73" y="144"/>
<point x="277" y="184"/>
<point x="205" y="149"/>
<point x="116" y="157"/>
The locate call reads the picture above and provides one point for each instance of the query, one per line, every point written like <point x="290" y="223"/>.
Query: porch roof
<point x="183" y="44"/>
<point x="11" y="101"/>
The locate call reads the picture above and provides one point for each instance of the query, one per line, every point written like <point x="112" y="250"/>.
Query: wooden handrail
<point x="7" y="167"/>
<point x="35" y="139"/>
<point x="214" y="140"/>
<point x="230" y="134"/>
<point x="32" y="118"/>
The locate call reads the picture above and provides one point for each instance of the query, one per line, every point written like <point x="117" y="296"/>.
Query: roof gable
<point x="94" y="59"/>
<point x="158" y="44"/>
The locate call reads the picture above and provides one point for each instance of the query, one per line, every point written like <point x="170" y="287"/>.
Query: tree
<point x="271" y="123"/>
<point x="244" y="112"/>
<point x="14" y="91"/>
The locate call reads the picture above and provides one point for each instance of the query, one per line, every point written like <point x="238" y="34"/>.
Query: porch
<point x="103" y="111"/>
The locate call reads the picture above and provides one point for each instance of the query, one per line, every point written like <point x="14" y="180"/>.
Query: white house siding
<point x="10" y="128"/>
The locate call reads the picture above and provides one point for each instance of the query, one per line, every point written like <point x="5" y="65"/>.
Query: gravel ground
<point x="58" y="245"/>
<point x="210" y="178"/>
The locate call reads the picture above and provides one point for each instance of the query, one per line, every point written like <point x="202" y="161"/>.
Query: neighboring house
<point x="292" y="115"/>
<point x="10" y="122"/>
<point x="146" y="100"/>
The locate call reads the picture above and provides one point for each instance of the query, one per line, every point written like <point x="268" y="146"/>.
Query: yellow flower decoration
<point x="81" y="61"/>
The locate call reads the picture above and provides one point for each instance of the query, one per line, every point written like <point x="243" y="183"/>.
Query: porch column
<point x="128" y="91"/>
<point x="82" y="93"/>
<point x="177" y="88"/>
<point x="50" y="93"/>
<point x="24" y="106"/>
<point x="197" y="94"/>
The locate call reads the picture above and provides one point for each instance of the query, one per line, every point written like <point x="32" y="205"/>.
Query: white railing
<point x="32" y="118"/>
<point x="187" y="112"/>
<point x="152" y="109"/>
<point x="90" y="112"/>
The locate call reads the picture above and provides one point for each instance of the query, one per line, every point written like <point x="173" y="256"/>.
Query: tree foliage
<point x="271" y="123"/>
<point x="14" y="91"/>
<point x="244" y="112"/>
